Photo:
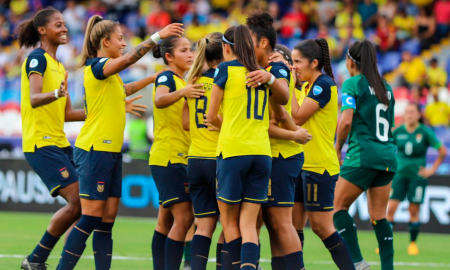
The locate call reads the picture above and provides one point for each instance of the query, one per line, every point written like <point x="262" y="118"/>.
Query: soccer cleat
<point x="362" y="265"/>
<point x="27" y="265"/>
<point x="413" y="249"/>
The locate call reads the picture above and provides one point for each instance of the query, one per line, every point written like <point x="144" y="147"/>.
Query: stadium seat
<point x="390" y="61"/>
<point x="412" y="46"/>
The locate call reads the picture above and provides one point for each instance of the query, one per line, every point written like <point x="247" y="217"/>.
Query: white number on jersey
<point x="383" y="122"/>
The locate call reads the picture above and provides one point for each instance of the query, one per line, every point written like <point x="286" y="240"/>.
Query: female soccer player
<point x="46" y="148"/>
<point x="412" y="140"/>
<point x="201" y="169"/>
<point x="244" y="155"/>
<point x="287" y="155"/>
<point x="168" y="156"/>
<point x="318" y="114"/>
<point x="97" y="154"/>
<point x="367" y="118"/>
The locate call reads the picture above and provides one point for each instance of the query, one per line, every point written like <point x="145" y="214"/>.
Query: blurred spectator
<point x="274" y="10"/>
<point x="442" y="12"/>
<point x="19" y="7"/>
<point x="417" y="97"/>
<point x="202" y="7"/>
<point x="295" y="22"/>
<point x="217" y="23"/>
<point x="412" y="71"/>
<point x="95" y="8"/>
<point x="309" y="7"/>
<point x="180" y="8"/>
<point x="5" y="31"/>
<point x="349" y="21"/>
<point x="388" y="9"/>
<point x="386" y="36"/>
<point x="404" y="23"/>
<point x="368" y="11"/>
<point x="332" y="41"/>
<point x="327" y="10"/>
<point x="410" y="8"/>
<point x="189" y="16"/>
<point x="158" y="19"/>
<point x="437" y="113"/>
<point x="195" y="30"/>
<point x="425" y="28"/>
<point x="74" y="16"/>
<point x="221" y="6"/>
<point x="436" y="75"/>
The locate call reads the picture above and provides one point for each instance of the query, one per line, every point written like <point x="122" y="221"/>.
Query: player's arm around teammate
<point x="98" y="156"/>
<point x="244" y="156"/>
<point x="168" y="155"/>
<point x="370" y="164"/>
<point x="201" y="167"/>
<point x="318" y="114"/>
<point x="413" y="140"/>
<point x="46" y="148"/>
<point x="287" y="155"/>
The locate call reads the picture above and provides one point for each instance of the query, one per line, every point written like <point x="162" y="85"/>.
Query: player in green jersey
<point x="412" y="140"/>
<point x="370" y="164"/>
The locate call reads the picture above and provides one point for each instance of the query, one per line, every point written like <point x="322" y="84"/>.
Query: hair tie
<point x="351" y="58"/>
<point x="227" y="41"/>
<point x="207" y="40"/>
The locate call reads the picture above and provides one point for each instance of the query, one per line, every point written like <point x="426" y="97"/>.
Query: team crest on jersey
<point x="216" y="72"/>
<point x="34" y="63"/>
<point x="283" y="72"/>
<point x="103" y="60"/>
<point x="100" y="186"/>
<point x="419" y="138"/>
<point x="162" y="79"/>
<point x="64" y="172"/>
<point x="317" y="90"/>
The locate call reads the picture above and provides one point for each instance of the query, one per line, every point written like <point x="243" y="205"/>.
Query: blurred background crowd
<point x="412" y="37"/>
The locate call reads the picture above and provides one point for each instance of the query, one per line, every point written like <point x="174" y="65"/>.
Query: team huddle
<point x="244" y="132"/>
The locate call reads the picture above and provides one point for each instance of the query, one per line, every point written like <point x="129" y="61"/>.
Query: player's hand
<point x="257" y="78"/>
<point x="294" y="74"/>
<point x="135" y="109"/>
<point x="154" y="76"/>
<point x="339" y="155"/>
<point x="174" y="29"/>
<point x="209" y="125"/>
<point x="62" y="91"/>
<point x="425" y="172"/>
<point x="302" y="136"/>
<point x="276" y="57"/>
<point x="193" y="90"/>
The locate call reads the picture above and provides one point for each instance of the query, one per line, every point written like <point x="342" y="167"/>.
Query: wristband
<point x="156" y="37"/>
<point x="56" y="94"/>
<point x="271" y="80"/>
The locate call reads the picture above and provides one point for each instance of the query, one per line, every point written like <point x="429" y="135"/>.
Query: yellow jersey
<point x="203" y="141"/>
<point x="245" y="123"/>
<point x="171" y="140"/>
<point x="44" y="125"/>
<point x="283" y="147"/>
<point x="320" y="154"/>
<point x="438" y="113"/>
<point x="104" y="105"/>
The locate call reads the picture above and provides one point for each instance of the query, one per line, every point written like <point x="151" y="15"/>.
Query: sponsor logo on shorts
<point x="64" y="172"/>
<point x="100" y="186"/>
<point x="107" y="141"/>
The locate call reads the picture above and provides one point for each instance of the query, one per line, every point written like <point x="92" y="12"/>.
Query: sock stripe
<point x="248" y="264"/>
<point x="45" y="247"/>
<point x="224" y="251"/>
<point x="235" y="262"/>
<point x="72" y="253"/>
<point x="218" y="264"/>
<point x="81" y="230"/>
<point x="201" y="256"/>
<point x="101" y="231"/>
<point x="334" y="246"/>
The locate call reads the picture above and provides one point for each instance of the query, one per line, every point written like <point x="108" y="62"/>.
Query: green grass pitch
<point x="20" y="232"/>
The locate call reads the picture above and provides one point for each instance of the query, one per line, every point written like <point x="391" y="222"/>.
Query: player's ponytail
<point x="241" y="43"/>
<point x="166" y="45"/>
<point x="364" y="55"/>
<point x="28" y="34"/>
<point x="97" y="29"/>
<point x="209" y="50"/>
<point x="316" y="49"/>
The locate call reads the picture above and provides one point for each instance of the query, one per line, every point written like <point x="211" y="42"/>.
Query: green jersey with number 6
<point x="412" y="148"/>
<point x="371" y="144"/>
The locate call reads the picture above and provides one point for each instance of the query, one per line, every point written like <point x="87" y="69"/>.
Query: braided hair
<point x="317" y="49"/>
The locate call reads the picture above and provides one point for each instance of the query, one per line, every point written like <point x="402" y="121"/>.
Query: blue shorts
<point x="316" y="191"/>
<point x="243" y="178"/>
<point x="172" y="183"/>
<point x="54" y="166"/>
<point x="282" y="180"/>
<point x="100" y="174"/>
<point x="202" y="186"/>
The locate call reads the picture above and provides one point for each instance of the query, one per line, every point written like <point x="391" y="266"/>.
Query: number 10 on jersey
<point x="258" y="110"/>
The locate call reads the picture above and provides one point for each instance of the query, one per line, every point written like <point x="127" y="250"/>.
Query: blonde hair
<point x="209" y="50"/>
<point x="96" y="30"/>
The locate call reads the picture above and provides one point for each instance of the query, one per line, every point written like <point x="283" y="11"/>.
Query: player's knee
<point x="184" y="221"/>
<point x="322" y="231"/>
<point x="73" y="210"/>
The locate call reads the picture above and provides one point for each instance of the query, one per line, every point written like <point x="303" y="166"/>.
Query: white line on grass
<point x="126" y="258"/>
